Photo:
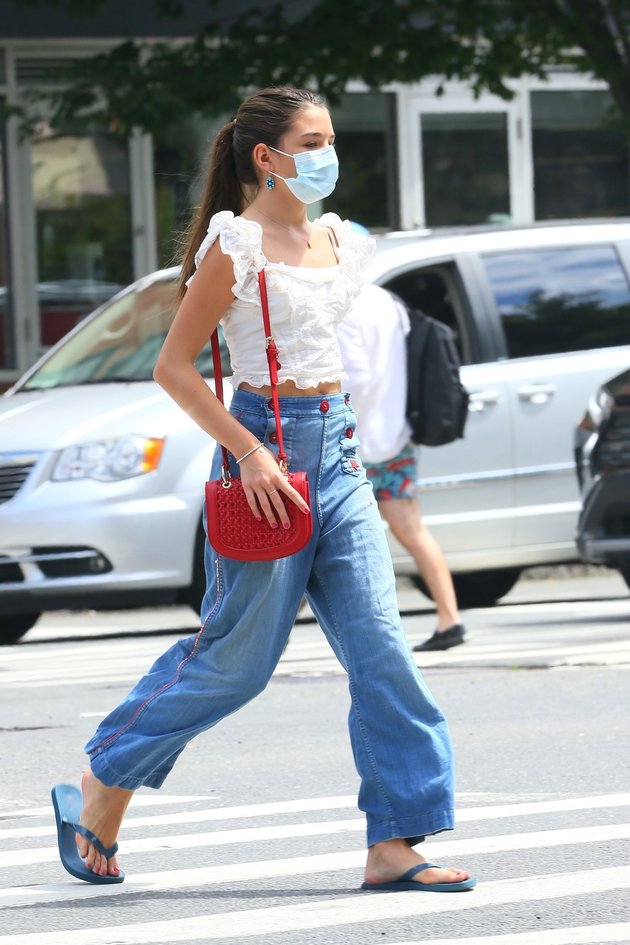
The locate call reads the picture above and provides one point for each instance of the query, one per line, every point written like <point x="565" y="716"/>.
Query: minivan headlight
<point x="109" y="460"/>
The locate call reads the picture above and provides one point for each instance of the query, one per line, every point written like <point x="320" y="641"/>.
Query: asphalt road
<point x="256" y="838"/>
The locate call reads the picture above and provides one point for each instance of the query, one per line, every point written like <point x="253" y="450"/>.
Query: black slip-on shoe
<point x="443" y="640"/>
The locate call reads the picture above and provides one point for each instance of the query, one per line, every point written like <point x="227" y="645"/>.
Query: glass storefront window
<point x="581" y="157"/>
<point x="180" y="161"/>
<point x="6" y="346"/>
<point x="83" y="225"/>
<point x="465" y="166"/>
<point x="366" y="190"/>
<point x="366" y="132"/>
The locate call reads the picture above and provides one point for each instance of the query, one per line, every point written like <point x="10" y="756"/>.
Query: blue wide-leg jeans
<point x="399" y="737"/>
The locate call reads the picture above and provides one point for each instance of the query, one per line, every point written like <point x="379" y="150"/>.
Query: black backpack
<point x="437" y="403"/>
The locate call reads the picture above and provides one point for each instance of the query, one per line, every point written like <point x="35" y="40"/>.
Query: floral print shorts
<point x="394" y="478"/>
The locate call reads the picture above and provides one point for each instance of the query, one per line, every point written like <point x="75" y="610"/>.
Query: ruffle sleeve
<point x="356" y="251"/>
<point x="241" y="240"/>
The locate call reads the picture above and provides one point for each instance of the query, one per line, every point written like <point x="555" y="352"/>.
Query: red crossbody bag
<point x="233" y="530"/>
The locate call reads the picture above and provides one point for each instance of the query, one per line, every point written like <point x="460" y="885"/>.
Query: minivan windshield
<point x="119" y="344"/>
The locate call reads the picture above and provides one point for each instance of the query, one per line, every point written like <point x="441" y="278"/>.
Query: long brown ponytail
<point x="263" y="118"/>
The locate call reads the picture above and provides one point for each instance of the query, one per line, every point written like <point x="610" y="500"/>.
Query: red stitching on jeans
<point x="172" y="682"/>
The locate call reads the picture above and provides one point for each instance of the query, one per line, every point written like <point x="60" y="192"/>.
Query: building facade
<point x="83" y="213"/>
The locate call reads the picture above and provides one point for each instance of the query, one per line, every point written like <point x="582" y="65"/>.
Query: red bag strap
<point x="273" y="362"/>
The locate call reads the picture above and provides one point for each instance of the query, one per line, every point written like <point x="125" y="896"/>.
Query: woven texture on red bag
<point x="234" y="532"/>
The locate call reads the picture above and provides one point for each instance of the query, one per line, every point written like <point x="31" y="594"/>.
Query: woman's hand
<point x="265" y="485"/>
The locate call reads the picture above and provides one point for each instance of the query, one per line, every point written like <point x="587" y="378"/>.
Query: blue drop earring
<point x="270" y="183"/>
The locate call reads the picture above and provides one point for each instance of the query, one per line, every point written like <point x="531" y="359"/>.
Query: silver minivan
<point x="541" y="315"/>
<point x="101" y="474"/>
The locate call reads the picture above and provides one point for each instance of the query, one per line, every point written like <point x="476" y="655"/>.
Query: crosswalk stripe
<point x="491" y="812"/>
<point x="183" y="841"/>
<point x="578" y="935"/>
<point x="609" y="654"/>
<point x="309" y="805"/>
<point x="619" y="651"/>
<point x="571" y="607"/>
<point x="37" y="681"/>
<point x="83" y="651"/>
<point x="312" y="656"/>
<point x="333" y="912"/>
<point x="543" y="807"/>
<point x="139" y="800"/>
<point x="294" y="866"/>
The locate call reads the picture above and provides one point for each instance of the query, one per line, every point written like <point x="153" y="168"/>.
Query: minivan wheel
<point x="14" y="626"/>
<point x="478" y="588"/>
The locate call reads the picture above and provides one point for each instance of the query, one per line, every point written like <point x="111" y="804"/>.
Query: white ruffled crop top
<point x="305" y="303"/>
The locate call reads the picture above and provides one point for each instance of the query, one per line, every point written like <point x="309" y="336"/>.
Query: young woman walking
<point x="267" y="165"/>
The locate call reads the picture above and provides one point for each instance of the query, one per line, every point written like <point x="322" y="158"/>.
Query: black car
<point x="602" y="451"/>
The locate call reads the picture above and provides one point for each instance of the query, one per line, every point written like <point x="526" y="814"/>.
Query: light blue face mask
<point x="317" y="173"/>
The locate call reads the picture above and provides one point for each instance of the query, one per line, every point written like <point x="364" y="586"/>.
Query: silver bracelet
<point x="258" y="447"/>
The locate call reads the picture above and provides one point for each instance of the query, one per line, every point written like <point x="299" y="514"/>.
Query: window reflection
<point x="180" y="157"/>
<point x="465" y="167"/>
<point x="580" y="156"/>
<point x="559" y="300"/>
<point x="366" y="189"/>
<point x="81" y="194"/>
<point x="119" y="344"/>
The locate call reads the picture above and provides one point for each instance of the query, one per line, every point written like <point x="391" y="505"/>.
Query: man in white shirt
<point x="373" y="348"/>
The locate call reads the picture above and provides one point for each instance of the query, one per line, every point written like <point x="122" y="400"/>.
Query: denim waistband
<point x="320" y="404"/>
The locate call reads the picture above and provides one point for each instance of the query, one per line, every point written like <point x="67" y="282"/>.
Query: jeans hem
<point x="412" y="829"/>
<point x="110" y="778"/>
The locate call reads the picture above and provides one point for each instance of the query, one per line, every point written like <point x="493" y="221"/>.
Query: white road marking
<point x="56" y="665"/>
<point x="361" y="908"/>
<point x="139" y="800"/>
<point x="284" y="831"/>
<point x="209" y="876"/>
<point x="185" y="841"/>
<point x="310" y="805"/>
<point x="578" y="935"/>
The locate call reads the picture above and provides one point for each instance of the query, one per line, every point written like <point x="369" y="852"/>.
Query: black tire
<point x="478" y="588"/>
<point x="14" y="626"/>
<point x="193" y="594"/>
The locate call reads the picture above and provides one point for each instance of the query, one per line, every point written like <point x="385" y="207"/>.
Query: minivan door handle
<point x="480" y="399"/>
<point x="536" y="393"/>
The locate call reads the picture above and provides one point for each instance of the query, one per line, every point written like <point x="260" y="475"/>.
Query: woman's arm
<point x="206" y="300"/>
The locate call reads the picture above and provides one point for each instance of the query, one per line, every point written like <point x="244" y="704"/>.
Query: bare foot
<point x="388" y="861"/>
<point x="103" y="812"/>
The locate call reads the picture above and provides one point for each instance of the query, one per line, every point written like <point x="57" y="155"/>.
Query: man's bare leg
<point x="405" y="520"/>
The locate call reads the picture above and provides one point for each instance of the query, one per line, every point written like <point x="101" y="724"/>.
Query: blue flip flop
<point x="67" y="801"/>
<point x="406" y="882"/>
